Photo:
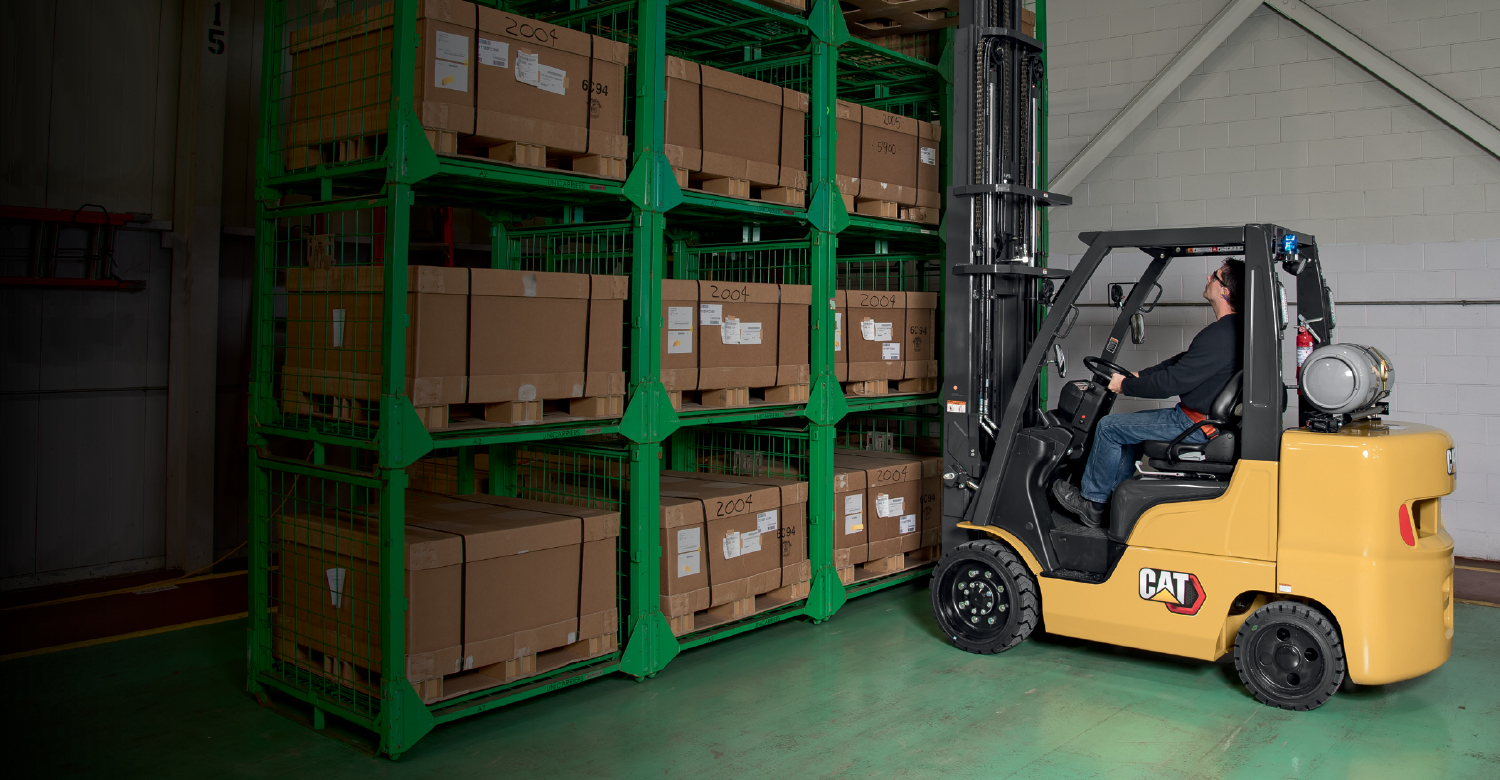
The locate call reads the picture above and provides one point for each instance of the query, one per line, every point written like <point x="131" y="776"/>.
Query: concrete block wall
<point x="1277" y="127"/>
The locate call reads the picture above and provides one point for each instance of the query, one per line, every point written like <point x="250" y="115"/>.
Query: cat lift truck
<point x="1308" y="553"/>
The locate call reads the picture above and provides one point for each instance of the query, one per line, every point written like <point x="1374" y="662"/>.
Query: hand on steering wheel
<point x="1103" y="369"/>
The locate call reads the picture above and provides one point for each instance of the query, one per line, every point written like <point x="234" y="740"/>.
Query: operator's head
<point x="1227" y="283"/>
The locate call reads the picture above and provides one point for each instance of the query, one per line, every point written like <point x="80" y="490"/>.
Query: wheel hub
<point x="977" y="598"/>
<point x="1288" y="659"/>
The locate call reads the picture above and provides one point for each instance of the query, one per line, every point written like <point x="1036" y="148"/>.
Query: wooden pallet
<point x="869" y="18"/>
<point x="868" y="387"/>
<point x="724" y="398"/>
<point x="787" y="394"/>
<point x="924" y="385"/>
<point x="745" y="189"/>
<point x="328" y="665"/>
<point x="449" y="686"/>
<point x="537" y="156"/>
<point x="740" y="609"/>
<point x="877" y="208"/>
<point x="329" y="407"/>
<point x="892" y="564"/>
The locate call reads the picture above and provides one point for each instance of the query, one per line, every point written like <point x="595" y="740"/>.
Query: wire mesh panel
<point x="718" y="32"/>
<point x="322" y="319"/>
<point x="330" y="79"/>
<point x="909" y="434"/>
<point x="780" y="453"/>
<point x="602" y="248"/>
<point x="769" y="262"/>
<point x="909" y="273"/>
<point x="323" y="566"/>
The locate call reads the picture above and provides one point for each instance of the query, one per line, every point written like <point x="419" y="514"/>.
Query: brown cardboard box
<point x="877" y="321"/>
<point x="743" y="354"/>
<point x="328" y="586"/>
<point x="679" y="345"/>
<point x="887" y="157"/>
<point x="930" y="518"/>
<point x="521" y="575"/>
<point x="341" y="72"/>
<point x="792" y="361"/>
<point x="742" y="129"/>
<point x="920" y="348"/>
<point x="598" y="590"/>
<point x="684" y="562"/>
<point x="335" y="319"/>
<point x="793" y="139"/>
<point x="569" y="96"/>
<point x="537" y="336"/>
<point x="840" y="336"/>
<point x="790" y="520"/>
<point x="741" y="564"/>
<point x="893" y="489"/>
<point x="684" y="128"/>
<point x="850" y="535"/>
<point x="846" y="168"/>
<point x="929" y="165"/>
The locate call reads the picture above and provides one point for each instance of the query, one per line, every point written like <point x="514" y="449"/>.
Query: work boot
<point x="1088" y="512"/>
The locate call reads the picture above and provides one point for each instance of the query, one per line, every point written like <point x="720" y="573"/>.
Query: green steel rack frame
<point x="334" y="442"/>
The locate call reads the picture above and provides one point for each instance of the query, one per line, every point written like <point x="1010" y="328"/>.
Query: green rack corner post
<point x="333" y="444"/>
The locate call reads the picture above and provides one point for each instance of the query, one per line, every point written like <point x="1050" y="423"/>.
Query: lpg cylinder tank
<point x="1344" y="378"/>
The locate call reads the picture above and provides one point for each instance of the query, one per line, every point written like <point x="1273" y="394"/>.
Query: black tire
<point x="984" y="597"/>
<point x="1290" y="656"/>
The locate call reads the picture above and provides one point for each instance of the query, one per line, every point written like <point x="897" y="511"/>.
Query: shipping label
<point x="729" y="331"/>
<point x="450" y="47"/>
<point x="680" y="317"/>
<point x="338" y="327"/>
<point x="679" y="342"/>
<point x="854" y="502"/>
<point x="749" y="542"/>
<point x="731" y="545"/>
<point x="885" y="506"/>
<point x="550" y="79"/>
<point x="929" y="155"/>
<point x="526" y="66"/>
<point x="450" y="75"/>
<point x="838" y="331"/>
<point x="496" y="53"/>
<point x="908" y="524"/>
<point x="750" y="332"/>
<point x="890" y="350"/>
<point x="688" y="539"/>
<point x="710" y="313"/>
<point x="765" y="522"/>
<point x="854" y="523"/>
<point x="689" y="563"/>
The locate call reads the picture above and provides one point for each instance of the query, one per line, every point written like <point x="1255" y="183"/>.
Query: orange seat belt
<point x="1208" y="430"/>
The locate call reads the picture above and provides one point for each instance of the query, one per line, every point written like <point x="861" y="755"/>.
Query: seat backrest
<point x="1225" y="402"/>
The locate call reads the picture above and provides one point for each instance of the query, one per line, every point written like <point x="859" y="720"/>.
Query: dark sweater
<point x="1198" y="374"/>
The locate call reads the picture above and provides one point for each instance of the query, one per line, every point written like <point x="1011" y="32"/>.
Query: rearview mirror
<point x="1060" y="360"/>
<point x="1137" y="329"/>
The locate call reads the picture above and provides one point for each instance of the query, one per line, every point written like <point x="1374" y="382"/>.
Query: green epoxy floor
<point x="874" y="693"/>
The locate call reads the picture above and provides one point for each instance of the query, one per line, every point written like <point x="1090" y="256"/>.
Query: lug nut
<point x="963" y="605"/>
<point x="988" y="575"/>
<point x="1002" y="607"/>
<point x="992" y="621"/>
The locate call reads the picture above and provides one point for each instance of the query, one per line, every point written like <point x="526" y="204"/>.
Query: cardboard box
<point x="538" y="335"/>
<point x="684" y="116"/>
<point x="793" y="140"/>
<point x="929" y="166"/>
<point x="679" y="345"/>
<point x="887" y="157"/>
<point x="919" y="349"/>
<point x="741" y="563"/>
<point x="521" y="575"/>
<point x="877" y="321"/>
<point x="846" y="168"/>
<point x="893" y="488"/>
<point x="547" y="85"/>
<point x="742" y="132"/>
<point x="335" y="329"/>
<point x="792" y="361"/>
<point x="598" y="588"/>
<point x="930" y="502"/>
<point x="328" y="590"/>
<point x="684" y="561"/>
<point x="850" y="535"/>
<point x="738" y="334"/>
<point x="840" y="336"/>
<point x="791" y="519"/>
<point x="341" y="72"/>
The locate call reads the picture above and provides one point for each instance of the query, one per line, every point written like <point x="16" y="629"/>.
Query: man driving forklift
<point x="1196" y="376"/>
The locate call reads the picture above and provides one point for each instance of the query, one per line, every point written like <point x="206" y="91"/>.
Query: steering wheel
<point x="1103" y="369"/>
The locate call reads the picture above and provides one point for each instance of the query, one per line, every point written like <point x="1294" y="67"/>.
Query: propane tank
<point x="1343" y="378"/>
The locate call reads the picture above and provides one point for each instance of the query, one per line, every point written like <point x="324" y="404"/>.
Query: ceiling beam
<point x="1169" y="79"/>
<point x="1414" y="87"/>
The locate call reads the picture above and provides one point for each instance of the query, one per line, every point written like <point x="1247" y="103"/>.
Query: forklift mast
<point x="997" y="277"/>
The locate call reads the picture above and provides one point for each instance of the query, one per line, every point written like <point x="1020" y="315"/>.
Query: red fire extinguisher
<point x="1304" y="348"/>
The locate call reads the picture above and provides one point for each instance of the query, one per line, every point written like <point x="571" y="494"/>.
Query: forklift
<point x="1310" y="554"/>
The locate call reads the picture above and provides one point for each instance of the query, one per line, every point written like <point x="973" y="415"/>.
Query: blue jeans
<point x="1117" y="446"/>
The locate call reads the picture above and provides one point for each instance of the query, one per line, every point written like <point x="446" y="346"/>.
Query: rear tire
<point x="1290" y="656"/>
<point x="984" y="597"/>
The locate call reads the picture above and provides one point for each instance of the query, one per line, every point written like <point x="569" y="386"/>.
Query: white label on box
<point x="680" y="317"/>
<point x="867" y="329"/>
<point x="854" y="523"/>
<point x="731" y="545"/>
<point x="450" y="75"/>
<point x="765" y="522"/>
<point x="336" y="579"/>
<point x="496" y="53"/>
<point x="929" y="155"/>
<point x="882" y="331"/>
<point x="729" y="331"/>
<point x="526" y="65"/>
<point x="838" y="332"/>
<point x="710" y="313"/>
<point x="908" y="524"/>
<point x="750" y="333"/>
<point x="550" y="79"/>
<point x="749" y="542"/>
<point x="688" y="539"/>
<point x="679" y="342"/>
<point x="883" y="506"/>
<point x="896" y="505"/>
<point x="689" y="563"/>
<point x="454" y="48"/>
<point x="338" y="327"/>
<point x="854" y="502"/>
<point x="891" y="350"/>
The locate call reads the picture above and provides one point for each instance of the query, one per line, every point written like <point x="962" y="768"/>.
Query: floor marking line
<point x="1477" y="602"/>
<point x="1477" y="568"/>
<point x="118" y="591"/>
<point x="118" y="637"/>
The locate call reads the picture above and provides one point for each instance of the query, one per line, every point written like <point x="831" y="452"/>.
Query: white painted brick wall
<point x="1277" y="127"/>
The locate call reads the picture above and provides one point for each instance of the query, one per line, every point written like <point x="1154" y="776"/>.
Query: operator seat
<point x="1217" y="455"/>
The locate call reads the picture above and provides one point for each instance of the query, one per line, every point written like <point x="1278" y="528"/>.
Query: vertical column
<point x="827" y="216"/>
<point x="649" y="418"/>
<point x="1045" y="238"/>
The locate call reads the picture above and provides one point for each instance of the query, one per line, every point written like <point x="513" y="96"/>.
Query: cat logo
<point x="1181" y="592"/>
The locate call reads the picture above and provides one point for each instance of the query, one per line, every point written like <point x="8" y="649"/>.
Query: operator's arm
<point x="1210" y="350"/>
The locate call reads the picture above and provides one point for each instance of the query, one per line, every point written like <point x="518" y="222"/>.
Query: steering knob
<point x="1103" y="369"/>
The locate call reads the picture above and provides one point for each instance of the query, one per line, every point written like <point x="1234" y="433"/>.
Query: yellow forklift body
<point x="1239" y="524"/>
<point x="1341" y="542"/>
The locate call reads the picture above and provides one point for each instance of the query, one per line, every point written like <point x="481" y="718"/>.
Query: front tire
<point x="1290" y="656"/>
<point x="984" y="597"/>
